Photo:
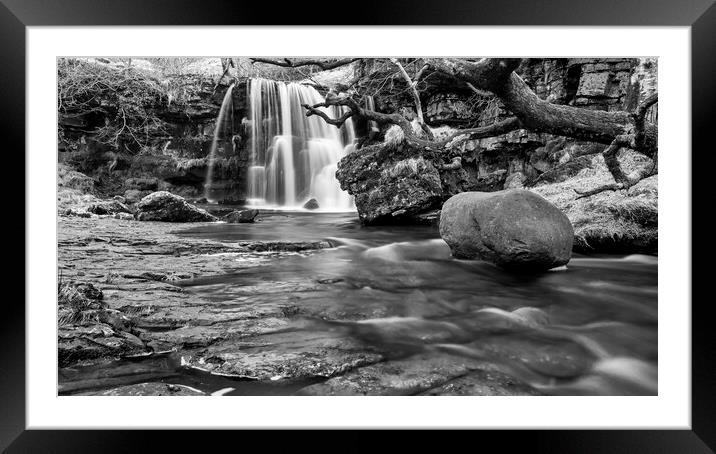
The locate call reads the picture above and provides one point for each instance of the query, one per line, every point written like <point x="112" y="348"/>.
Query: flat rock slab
<point x="289" y="354"/>
<point x="483" y="383"/>
<point x="148" y="389"/>
<point x="141" y="268"/>
<point x="408" y="376"/>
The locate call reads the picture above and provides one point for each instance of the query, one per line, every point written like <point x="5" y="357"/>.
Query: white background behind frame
<point x="670" y="409"/>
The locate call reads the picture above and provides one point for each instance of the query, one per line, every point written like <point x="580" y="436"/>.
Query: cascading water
<point x="226" y="108"/>
<point x="294" y="157"/>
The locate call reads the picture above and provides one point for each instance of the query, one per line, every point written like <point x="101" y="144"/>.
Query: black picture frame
<point x="700" y="15"/>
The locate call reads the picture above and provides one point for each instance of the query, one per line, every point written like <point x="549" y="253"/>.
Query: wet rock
<point x="167" y="207"/>
<point x="390" y="182"/>
<point x="311" y="205"/>
<point x="148" y="389"/>
<point x="301" y="354"/>
<point x="241" y="216"/>
<point x="514" y="229"/>
<point x="124" y="216"/>
<point x="73" y="212"/>
<point x="399" y="377"/>
<point x="483" y="383"/>
<point x="284" y="246"/>
<point x="79" y="343"/>
<point x="108" y="207"/>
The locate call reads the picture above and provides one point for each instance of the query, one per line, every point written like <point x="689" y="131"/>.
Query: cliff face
<point x="552" y="165"/>
<point x="171" y="136"/>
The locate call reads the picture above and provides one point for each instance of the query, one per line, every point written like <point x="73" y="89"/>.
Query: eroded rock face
<point x="514" y="229"/>
<point x="390" y="183"/>
<point x="167" y="207"/>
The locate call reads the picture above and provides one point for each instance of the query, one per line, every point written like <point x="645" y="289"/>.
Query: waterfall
<point x="294" y="157"/>
<point x="226" y="107"/>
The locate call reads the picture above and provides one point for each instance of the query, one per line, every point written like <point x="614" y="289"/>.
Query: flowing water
<point x="293" y="157"/>
<point x="225" y="113"/>
<point x="587" y="328"/>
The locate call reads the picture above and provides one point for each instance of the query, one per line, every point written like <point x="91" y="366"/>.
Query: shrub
<point x="121" y="102"/>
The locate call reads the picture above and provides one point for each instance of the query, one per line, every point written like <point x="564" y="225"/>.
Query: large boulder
<point x="165" y="206"/>
<point x="391" y="182"/>
<point x="515" y="229"/>
<point x="72" y="179"/>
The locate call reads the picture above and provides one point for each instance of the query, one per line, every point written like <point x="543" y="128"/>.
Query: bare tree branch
<point x="289" y="63"/>
<point x="622" y="180"/>
<point x="616" y="129"/>
<point x="413" y="90"/>
<point x="338" y="122"/>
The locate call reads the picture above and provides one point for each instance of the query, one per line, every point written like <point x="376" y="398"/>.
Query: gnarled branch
<point x="622" y="180"/>
<point x="289" y="63"/>
<point x="338" y="122"/>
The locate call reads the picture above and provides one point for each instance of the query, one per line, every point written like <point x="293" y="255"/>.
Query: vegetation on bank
<point x="119" y="104"/>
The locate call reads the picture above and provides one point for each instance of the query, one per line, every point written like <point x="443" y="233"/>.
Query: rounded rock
<point x="515" y="229"/>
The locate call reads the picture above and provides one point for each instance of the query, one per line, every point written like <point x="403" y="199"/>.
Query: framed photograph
<point x="439" y="217"/>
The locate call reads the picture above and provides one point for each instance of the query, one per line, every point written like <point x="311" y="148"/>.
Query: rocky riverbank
<point x="155" y="297"/>
<point x="136" y="266"/>
<point x="398" y="183"/>
<point x="140" y="270"/>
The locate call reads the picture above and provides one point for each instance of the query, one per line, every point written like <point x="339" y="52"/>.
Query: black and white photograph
<point x="357" y="226"/>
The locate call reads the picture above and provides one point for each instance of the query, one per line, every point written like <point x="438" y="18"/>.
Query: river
<point x="587" y="328"/>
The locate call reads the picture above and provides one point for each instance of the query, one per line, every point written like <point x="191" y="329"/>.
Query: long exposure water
<point x="587" y="328"/>
<point x="293" y="156"/>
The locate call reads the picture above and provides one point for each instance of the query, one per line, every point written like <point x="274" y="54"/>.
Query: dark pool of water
<point x="588" y="328"/>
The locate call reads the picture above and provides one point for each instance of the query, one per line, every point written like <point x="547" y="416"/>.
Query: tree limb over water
<point x="616" y="129"/>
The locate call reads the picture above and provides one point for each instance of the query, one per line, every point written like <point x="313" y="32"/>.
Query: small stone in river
<point x="311" y="205"/>
<point x="167" y="207"/>
<point x="330" y="280"/>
